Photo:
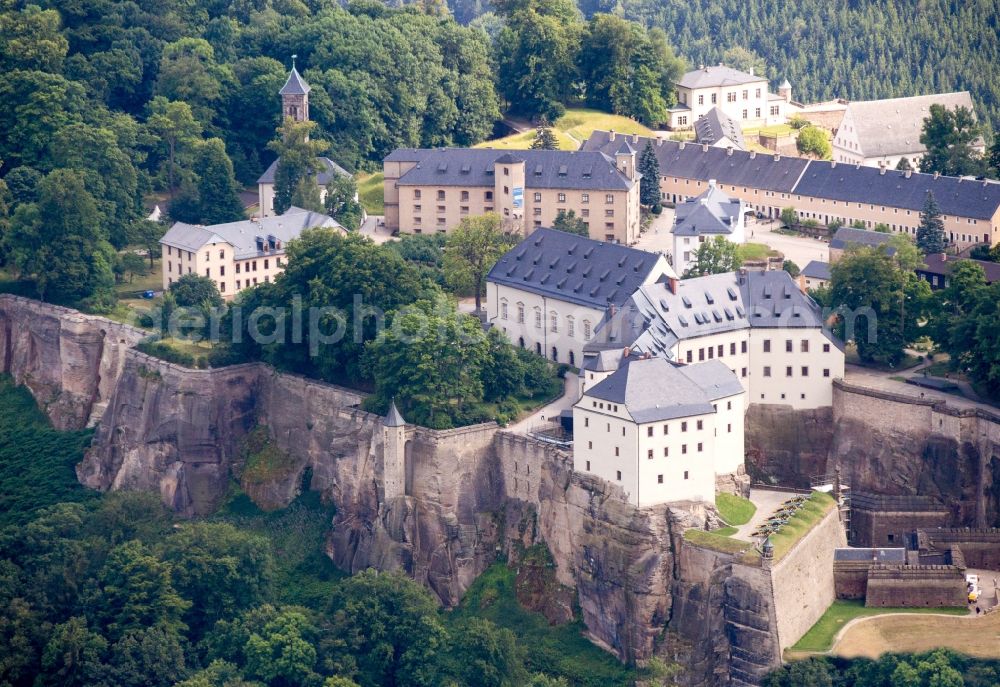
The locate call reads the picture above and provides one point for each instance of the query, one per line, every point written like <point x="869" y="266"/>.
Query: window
<point x="553" y="321"/>
<point x="701" y="99"/>
<point x="207" y="274"/>
<point x="745" y="114"/>
<point x="570" y="329"/>
<point x="586" y="423"/>
<point x="222" y="255"/>
<point x="659" y="479"/>
<point x="682" y="121"/>
<point x="699" y="447"/>
<point x="649" y="454"/>
<point x="585" y="213"/>
<point x="537" y="212"/>
<point x="588" y="466"/>
<point x="767" y="370"/>
<point x="684" y="449"/>
<point x="208" y="255"/>
<point x="666" y="451"/>
<point x="757" y="113"/>
<point x="440" y="195"/>
<point x="538" y="197"/>
<point x="585" y="198"/>
<point x="746" y="95"/>
<point x="416" y="194"/>
<point x="465" y="195"/>
<point x="237" y="284"/>
<point x="649" y="432"/>
<point x="609" y="198"/>
<point x="503" y="310"/>
<point x="826" y="372"/>
<point x="714" y="98"/>
<point x="562" y="197"/>
<point x="266" y="264"/>
<point x="731" y="97"/>
<point x="538" y="318"/>
<point x="619" y="475"/>
<point x="719" y="351"/>
<point x="222" y="270"/>
<point x="804" y="346"/>
<point x="767" y="345"/>
<point x="586" y="330"/>
<point x="488" y="196"/>
<point x="826" y="348"/>
<point x="520" y="313"/>
<point x="805" y="370"/>
<point x="788" y="371"/>
<point x="774" y="110"/>
<point x="788" y="345"/>
<point x="666" y="430"/>
<point x="222" y="287"/>
<point x="701" y="424"/>
<point x="732" y="349"/>
<point x="685" y="474"/>
<point x="616" y="453"/>
<point x="684" y="426"/>
<point x="689" y="356"/>
<point x="609" y="213"/>
<point x="758" y="92"/>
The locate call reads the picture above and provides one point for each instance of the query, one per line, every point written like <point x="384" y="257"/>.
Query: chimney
<point x="753" y="154"/>
<point x="908" y="173"/>
<point x="635" y="138"/>
<point x="704" y="147"/>
<point x="937" y="174"/>
<point x="672" y="285"/>
<point x="751" y="71"/>
<point x="659" y="141"/>
<point x="777" y="157"/>
<point x="682" y="145"/>
<point x="729" y="151"/>
<point x="711" y="183"/>
<point x="611" y="135"/>
<point x="833" y="164"/>
<point x="626" y="352"/>
<point x="881" y="171"/>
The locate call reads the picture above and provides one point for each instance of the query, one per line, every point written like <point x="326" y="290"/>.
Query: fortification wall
<point x="924" y="585"/>
<point x="71" y="362"/>
<point x="980" y="547"/>
<point x="850" y="579"/>
<point x="803" y="580"/>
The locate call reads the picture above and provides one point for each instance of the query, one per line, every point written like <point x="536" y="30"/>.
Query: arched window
<point x="570" y="326"/>
<point x="572" y="359"/>
<point x="538" y="317"/>
<point x="554" y="320"/>
<point x="586" y="330"/>
<point x="520" y="341"/>
<point x="555" y="354"/>
<point x="520" y="313"/>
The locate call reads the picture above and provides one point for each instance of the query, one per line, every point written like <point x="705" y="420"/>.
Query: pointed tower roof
<point x="393" y="418"/>
<point x="625" y="149"/>
<point x="295" y="85"/>
<point x="785" y="84"/>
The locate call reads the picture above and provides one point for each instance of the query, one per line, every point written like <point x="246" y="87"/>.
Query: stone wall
<point x="895" y="586"/>
<point x="980" y="547"/>
<point x="850" y="579"/>
<point x="803" y="579"/>
<point x="878" y="520"/>
<point x="70" y="361"/>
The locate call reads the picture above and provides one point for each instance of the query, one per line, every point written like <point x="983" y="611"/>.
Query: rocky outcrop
<point x="786" y="446"/>
<point x="71" y="362"/>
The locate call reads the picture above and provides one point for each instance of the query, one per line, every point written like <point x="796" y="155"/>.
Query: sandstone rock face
<point x="787" y="446"/>
<point x="71" y="362"/>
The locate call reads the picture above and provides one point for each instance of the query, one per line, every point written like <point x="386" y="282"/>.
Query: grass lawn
<point x="735" y="510"/>
<point x="370" y="193"/>
<point x="560" y="649"/>
<point x="572" y="129"/>
<point x="715" y="541"/>
<point x="820" y="636"/>
<point x="754" y="251"/>
<point x="916" y="633"/>
<point x="726" y="531"/>
<point x="799" y="525"/>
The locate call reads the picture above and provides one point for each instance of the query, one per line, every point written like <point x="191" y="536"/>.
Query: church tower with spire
<point x="393" y="453"/>
<point x="295" y="96"/>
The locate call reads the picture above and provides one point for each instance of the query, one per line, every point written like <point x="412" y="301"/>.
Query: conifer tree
<point x="218" y="194"/>
<point x="544" y="138"/>
<point x="930" y="233"/>
<point x="649" y="167"/>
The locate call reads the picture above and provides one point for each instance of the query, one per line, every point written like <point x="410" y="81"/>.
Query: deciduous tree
<point x="472" y="249"/>
<point x="714" y="257"/>
<point x="340" y="201"/>
<point x="948" y="135"/>
<point x="218" y="195"/>
<point x="813" y="141"/>
<point x="568" y="221"/>
<point x="297" y="164"/>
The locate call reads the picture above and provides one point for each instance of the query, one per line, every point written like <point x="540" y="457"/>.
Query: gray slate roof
<point x="295" y="85"/>
<point x="720" y="75"/>
<point x="703" y="162"/>
<point x="653" y="389"/>
<point x="893" y="126"/>
<point x="713" y="212"/>
<point x="716" y="125"/>
<point x="817" y="269"/>
<point x="242" y="236"/>
<point x="954" y="195"/>
<point x="819" y="178"/>
<point x="559" y="169"/>
<point x="329" y="169"/>
<point x="574" y="269"/>
<point x="655" y="318"/>
<point x="849" y="236"/>
<point x="897" y="556"/>
<point x="938" y="263"/>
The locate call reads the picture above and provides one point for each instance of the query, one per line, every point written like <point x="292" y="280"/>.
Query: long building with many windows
<point x="826" y="191"/>
<point x="431" y="190"/>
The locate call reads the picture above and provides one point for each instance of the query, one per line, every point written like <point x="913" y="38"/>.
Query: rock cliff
<point x="71" y="362"/>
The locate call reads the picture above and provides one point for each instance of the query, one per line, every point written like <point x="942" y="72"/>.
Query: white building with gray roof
<point x="743" y="96"/>
<point x="235" y="255"/>
<point x="879" y="133"/>
<point x="550" y="291"/>
<point x="702" y="218"/>
<point x="660" y="430"/>
<point x="769" y="333"/>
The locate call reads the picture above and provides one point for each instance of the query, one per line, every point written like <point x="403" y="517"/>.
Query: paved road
<point x="767" y="502"/>
<point x="799" y="249"/>
<point x="374" y="228"/>
<point x="874" y="379"/>
<point x="548" y="413"/>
